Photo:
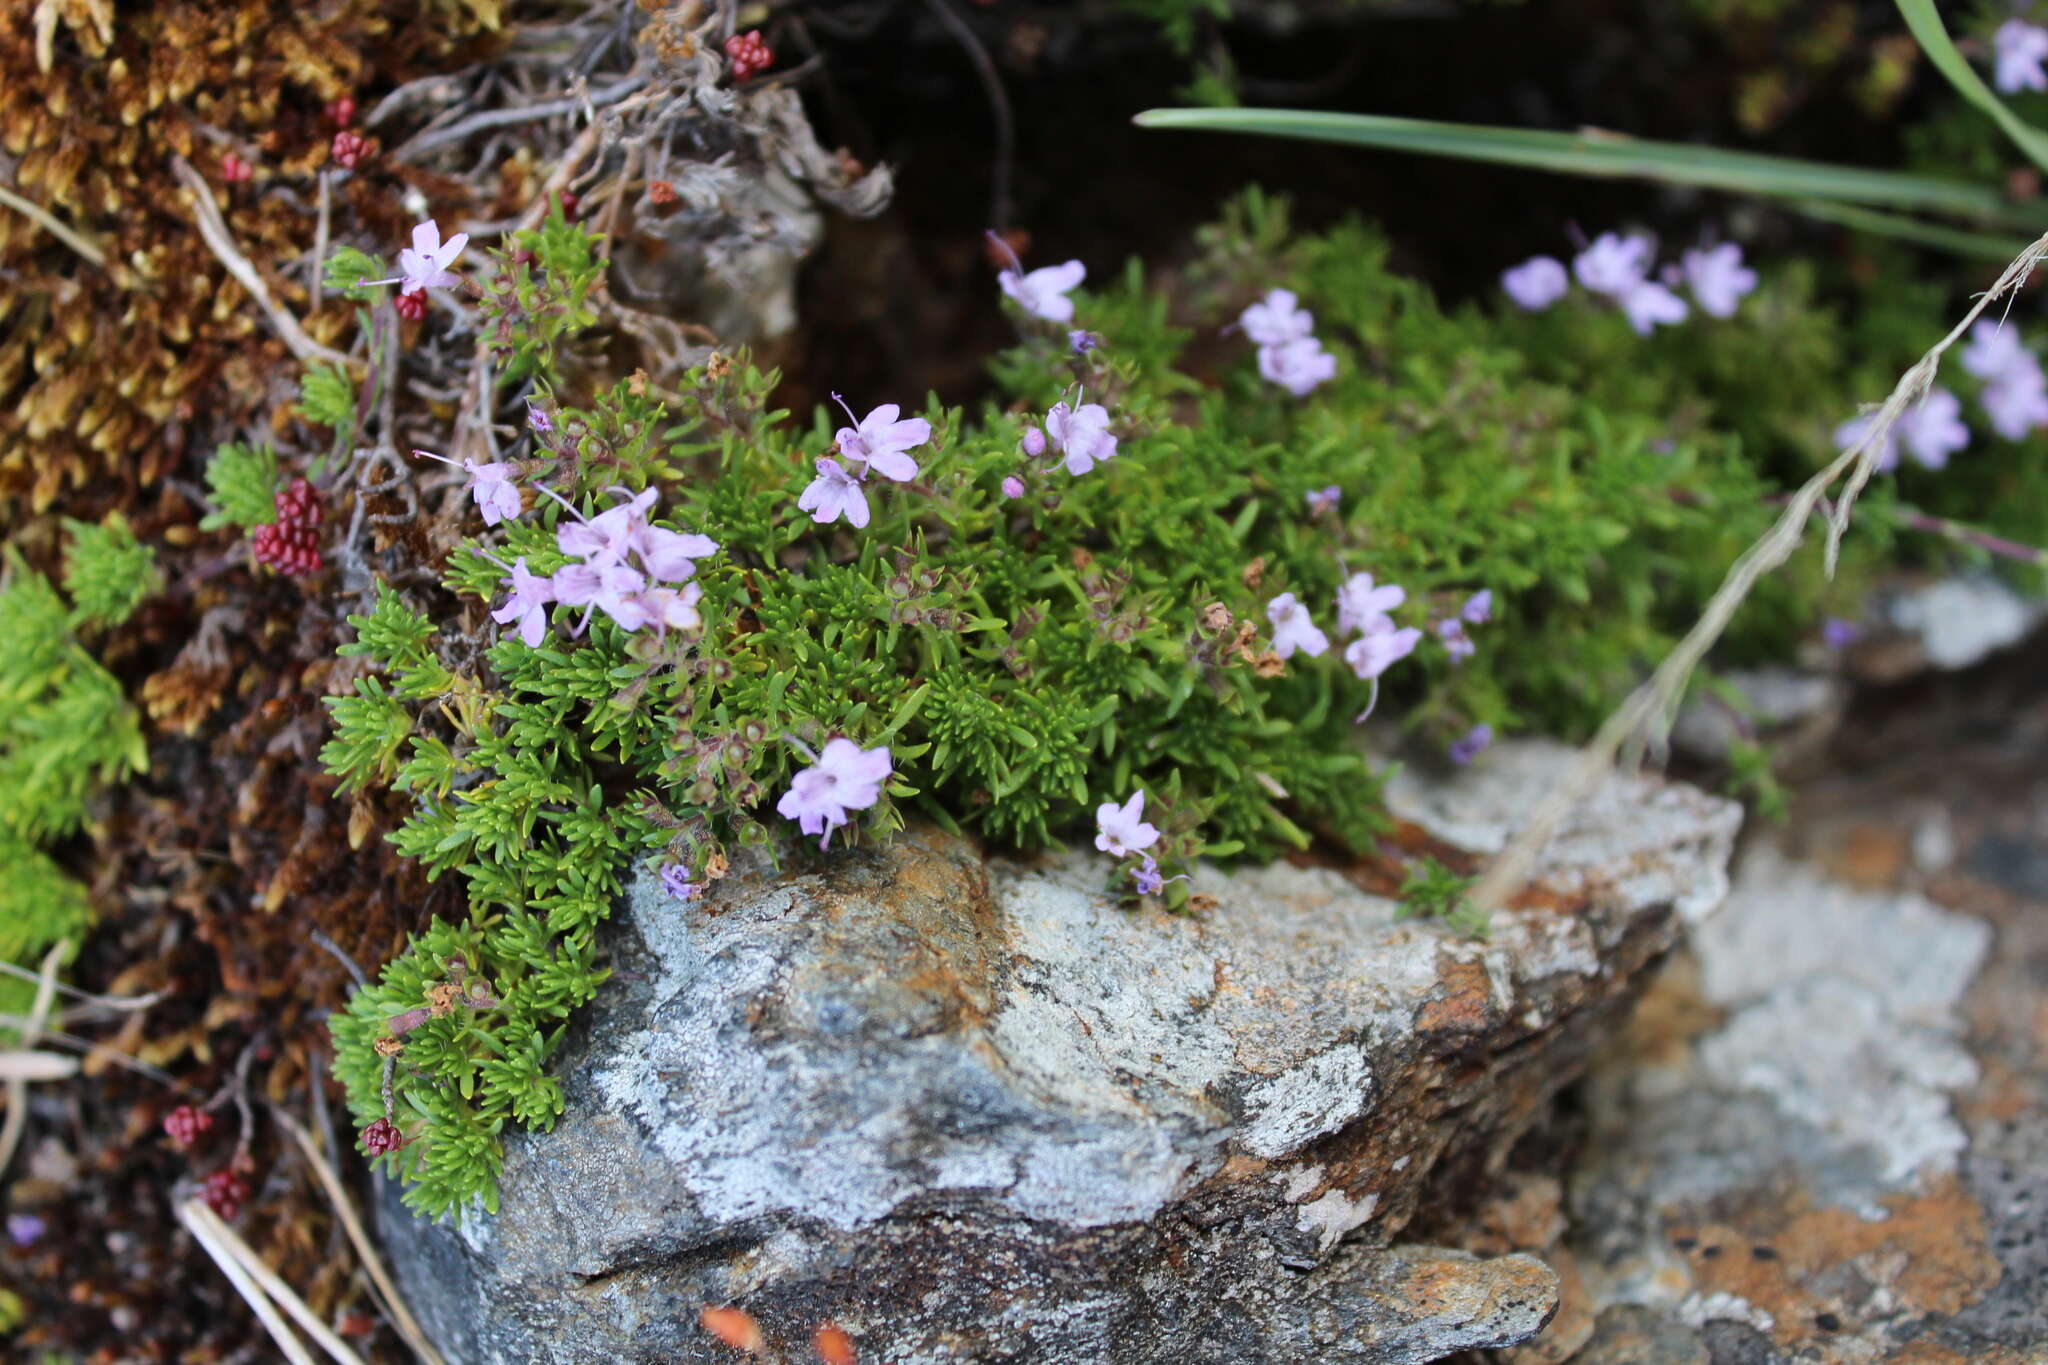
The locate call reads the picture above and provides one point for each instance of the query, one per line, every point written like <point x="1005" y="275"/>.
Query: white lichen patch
<point x="1334" y="1215"/>
<point x="1305" y="1102"/>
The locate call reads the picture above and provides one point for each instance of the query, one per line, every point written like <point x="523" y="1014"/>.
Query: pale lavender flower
<point x="528" y="604"/>
<point x="1324" y="499"/>
<point x="497" y="497"/>
<point x="1469" y="745"/>
<point x="1456" y="642"/>
<point x="1122" y="830"/>
<point x="1083" y="342"/>
<point x="663" y="608"/>
<point x="2016" y="403"/>
<point x="1362" y="607"/>
<point x="1082" y="435"/>
<point x="1033" y="443"/>
<point x="1297" y="366"/>
<point x="424" y="265"/>
<point x="25" y="1229"/>
<point x="606" y="538"/>
<point x="1648" y="305"/>
<point x="669" y="556"/>
<point x="1932" y="429"/>
<point x="1718" y="278"/>
<point x="834" y="494"/>
<point x="1380" y="648"/>
<point x="675" y="879"/>
<point x="1043" y="292"/>
<point x="1851" y="434"/>
<point x="1146" y="877"/>
<point x="612" y="589"/>
<point x="1613" y="264"/>
<point x="1996" y="351"/>
<point x="1276" y="319"/>
<point x="1536" y="283"/>
<point x="878" y="440"/>
<point x="1478" y="608"/>
<point x="2020" y="48"/>
<point x="1293" y="629"/>
<point x="1839" y="634"/>
<point x="845" y="777"/>
<point x="1013" y="487"/>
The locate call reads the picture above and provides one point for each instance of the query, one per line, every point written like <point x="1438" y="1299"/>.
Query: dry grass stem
<point x="208" y="1231"/>
<point x="32" y="1030"/>
<point x="225" y="1239"/>
<point x="55" y="226"/>
<point x="214" y="229"/>
<point x="1645" y="717"/>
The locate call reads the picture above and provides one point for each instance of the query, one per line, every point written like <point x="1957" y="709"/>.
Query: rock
<point x="1947" y="624"/>
<point x="1774" y="1158"/>
<point x="1630" y="1334"/>
<point x="970" y="1108"/>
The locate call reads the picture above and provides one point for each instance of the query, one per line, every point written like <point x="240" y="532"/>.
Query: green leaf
<point x="1618" y="155"/>
<point x="1925" y="22"/>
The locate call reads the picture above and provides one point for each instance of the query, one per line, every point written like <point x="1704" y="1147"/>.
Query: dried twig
<point x="427" y="141"/>
<point x="1647" y="713"/>
<point x="401" y="1318"/>
<point x="70" y="236"/>
<point x="238" y="1263"/>
<point x="32" y="1029"/>
<point x="214" y="229"/>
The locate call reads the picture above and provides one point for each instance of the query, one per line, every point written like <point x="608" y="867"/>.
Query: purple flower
<point x="424" y="265"/>
<point x="1361" y="607"/>
<point x="1932" y="429"/>
<point x="497" y="497"/>
<point x="2020" y="48"/>
<point x="1082" y="435"/>
<point x="878" y="440"/>
<point x="1324" y="499"/>
<point x="1033" y="443"/>
<point x="612" y="589"/>
<point x="833" y="494"/>
<point x="1043" y="292"/>
<point x="1293" y="629"/>
<point x="2016" y="403"/>
<point x="1478" y="608"/>
<point x="1380" y="648"/>
<point x="1122" y="829"/>
<point x="663" y="608"/>
<point x="1083" y="342"/>
<point x="25" y="1229"/>
<point x="605" y="539"/>
<point x="669" y="556"/>
<point x="538" y="420"/>
<point x="1146" y="876"/>
<point x="1456" y="642"/>
<point x="1613" y="264"/>
<point x="1536" y="283"/>
<point x="1013" y="487"/>
<point x="1648" y="304"/>
<point x="1276" y="319"/>
<point x="1839" y="634"/>
<point x="528" y="604"/>
<point x="1718" y="278"/>
<point x="1996" y="352"/>
<point x="1469" y="745"/>
<point x="1298" y="365"/>
<point x="675" y="879"/>
<point x="1851" y="434"/>
<point x="845" y="777"/>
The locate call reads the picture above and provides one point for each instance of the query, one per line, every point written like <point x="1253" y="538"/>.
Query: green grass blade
<point x="1932" y="35"/>
<point x="1599" y="153"/>
<point x="1983" y="246"/>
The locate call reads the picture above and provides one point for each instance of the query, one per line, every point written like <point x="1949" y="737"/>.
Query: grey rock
<point x="974" y="1109"/>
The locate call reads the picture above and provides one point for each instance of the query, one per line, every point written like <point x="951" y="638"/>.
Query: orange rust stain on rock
<point x="1528" y="1215"/>
<point x="1871" y="856"/>
<point x="1463" y="1006"/>
<point x="1671" y="1013"/>
<point x="1930" y="1254"/>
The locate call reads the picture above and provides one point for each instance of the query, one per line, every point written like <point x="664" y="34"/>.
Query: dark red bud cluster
<point x="748" y="54"/>
<point x="349" y="149"/>
<point x="291" y="544"/>
<point x="412" y="306"/>
<point x="342" y="112"/>
<point x="225" y="1191"/>
<point x="234" y="170"/>
<point x="186" y="1125"/>
<point x="382" y="1136"/>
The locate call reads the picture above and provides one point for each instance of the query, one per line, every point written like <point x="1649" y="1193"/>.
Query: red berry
<point x="225" y="1192"/>
<point x="342" y="112"/>
<point x="382" y="1136"/>
<point x="234" y="170"/>
<point x="291" y="544"/>
<point x="349" y="149"/>
<point x="187" y="1125"/>
<point x="748" y="54"/>
<point x="569" y="202"/>
<point x="413" y="306"/>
